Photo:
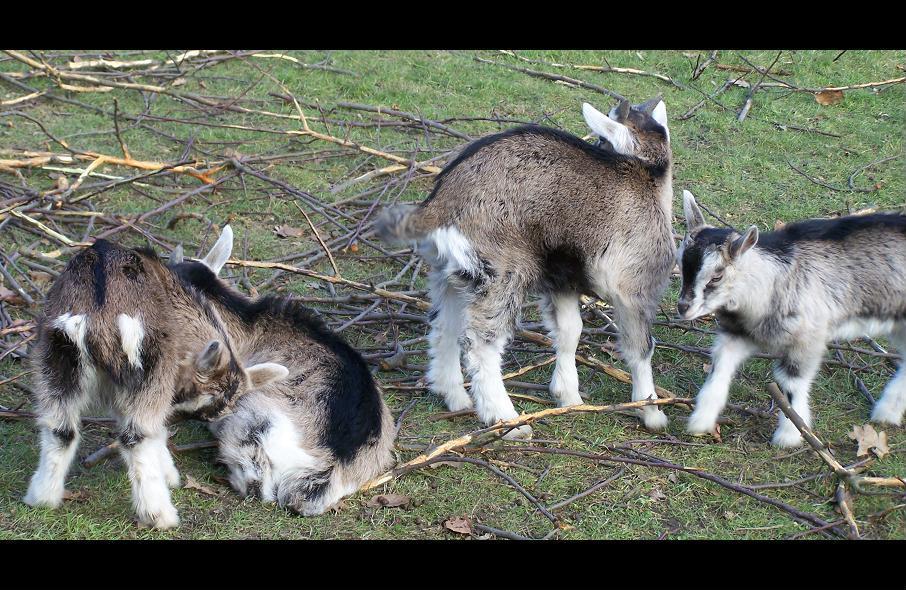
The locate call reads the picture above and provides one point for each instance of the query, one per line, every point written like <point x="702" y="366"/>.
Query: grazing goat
<point x="538" y="209"/>
<point x="116" y="325"/>
<point x="789" y="292"/>
<point x="306" y="440"/>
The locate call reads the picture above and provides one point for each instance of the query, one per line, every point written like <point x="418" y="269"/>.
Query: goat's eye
<point x="716" y="278"/>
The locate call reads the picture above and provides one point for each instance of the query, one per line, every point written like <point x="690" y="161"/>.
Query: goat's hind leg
<point x="889" y="409"/>
<point x="143" y="444"/>
<point x="637" y="347"/>
<point x="59" y="421"/>
<point x="492" y="314"/>
<point x="447" y="325"/>
<point x="564" y="321"/>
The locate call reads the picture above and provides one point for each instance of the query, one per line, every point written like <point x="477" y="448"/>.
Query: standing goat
<point x="116" y="324"/>
<point x="306" y="440"/>
<point x="535" y="208"/>
<point x="789" y="292"/>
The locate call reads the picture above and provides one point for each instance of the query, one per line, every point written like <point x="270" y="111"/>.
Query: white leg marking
<point x="564" y="320"/>
<point x="47" y="484"/>
<point x="131" y="335"/>
<point x="150" y="495"/>
<point x="728" y="353"/>
<point x="889" y="409"/>
<point x="643" y="389"/>
<point x="444" y="371"/>
<point x="491" y="400"/>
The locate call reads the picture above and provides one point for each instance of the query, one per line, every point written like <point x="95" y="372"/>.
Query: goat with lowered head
<point x="116" y="325"/>
<point x="789" y="292"/>
<point x="305" y="440"/>
<point x="538" y="209"/>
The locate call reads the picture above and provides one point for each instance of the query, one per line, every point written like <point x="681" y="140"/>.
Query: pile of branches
<point x="50" y="207"/>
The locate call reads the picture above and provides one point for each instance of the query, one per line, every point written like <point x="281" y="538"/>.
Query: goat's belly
<point x="861" y="327"/>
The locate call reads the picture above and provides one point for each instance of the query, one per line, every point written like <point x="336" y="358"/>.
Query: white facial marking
<point x="617" y="134"/>
<point x="131" y="335"/>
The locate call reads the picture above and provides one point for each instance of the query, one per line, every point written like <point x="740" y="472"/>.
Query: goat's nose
<point x="682" y="307"/>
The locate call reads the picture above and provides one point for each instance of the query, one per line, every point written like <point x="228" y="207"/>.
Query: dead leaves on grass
<point x="389" y="501"/>
<point x="194" y="484"/>
<point x="286" y="231"/>
<point x="829" y="97"/>
<point x="870" y="441"/>
<point x="459" y="524"/>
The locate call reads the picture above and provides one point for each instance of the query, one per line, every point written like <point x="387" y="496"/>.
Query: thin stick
<point x="333" y="263"/>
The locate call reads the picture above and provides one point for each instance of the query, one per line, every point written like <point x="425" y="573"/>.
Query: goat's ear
<point x="659" y="114"/>
<point x="616" y="133"/>
<point x="648" y="106"/>
<point x="621" y="112"/>
<point x="221" y="251"/>
<point x="263" y="373"/>
<point x="741" y="244"/>
<point x="176" y="256"/>
<point x="694" y="217"/>
<point x="210" y="357"/>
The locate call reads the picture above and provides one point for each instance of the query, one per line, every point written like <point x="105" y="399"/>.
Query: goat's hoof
<point x="699" y="425"/>
<point x="457" y="403"/>
<point x="885" y="415"/>
<point x="565" y="400"/>
<point x="35" y="500"/>
<point x="166" y="519"/>
<point x="520" y="433"/>
<point x="786" y="438"/>
<point x="655" y="420"/>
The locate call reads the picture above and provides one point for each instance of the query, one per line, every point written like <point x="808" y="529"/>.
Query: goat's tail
<point x="404" y="222"/>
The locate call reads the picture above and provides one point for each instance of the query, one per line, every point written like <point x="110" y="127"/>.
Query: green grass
<point x="740" y="171"/>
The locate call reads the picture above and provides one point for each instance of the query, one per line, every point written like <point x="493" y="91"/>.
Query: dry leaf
<point x="729" y="515"/>
<point x="285" y="231"/>
<point x="388" y="501"/>
<point x="657" y="495"/>
<point x="354" y="247"/>
<point x="778" y="225"/>
<point x="76" y="496"/>
<point x="706" y="367"/>
<point x="194" y="484"/>
<point x="829" y="97"/>
<point x="459" y="524"/>
<point x="672" y="478"/>
<point x="10" y="296"/>
<point x="870" y="441"/>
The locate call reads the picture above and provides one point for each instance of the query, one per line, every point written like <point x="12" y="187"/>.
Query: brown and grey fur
<point x="789" y="292"/>
<point x="115" y="325"/>
<point x="538" y="209"/>
<point x="304" y="441"/>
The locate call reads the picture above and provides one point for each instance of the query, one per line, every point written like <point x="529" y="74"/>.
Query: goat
<point x="305" y="440"/>
<point x="789" y="292"/>
<point x="116" y="324"/>
<point x="538" y="209"/>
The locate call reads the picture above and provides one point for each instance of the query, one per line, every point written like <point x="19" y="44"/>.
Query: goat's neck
<point x="757" y="277"/>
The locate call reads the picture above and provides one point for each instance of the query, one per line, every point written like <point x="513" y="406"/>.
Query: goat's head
<point x="212" y="380"/>
<point x="632" y="130"/>
<point x="709" y="259"/>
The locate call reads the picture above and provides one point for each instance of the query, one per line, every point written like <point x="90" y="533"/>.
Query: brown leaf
<point x="778" y="225"/>
<point x="870" y="441"/>
<point x="194" y="484"/>
<point x="76" y="496"/>
<point x="706" y="367"/>
<point x="10" y="296"/>
<point x="459" y="524"/>
<point x="672" y="477"/>
<point x="657" y="495"/>
<point x="285" y="231"/>
<point x="388" y="501"/>
<point x="829" y="97"/>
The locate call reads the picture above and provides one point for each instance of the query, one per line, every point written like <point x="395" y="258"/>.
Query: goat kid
<point x="538" y="209"/>
<point x="789" y="292"/>
<point x="115" y="326"/>
<point x="305" y="440"/>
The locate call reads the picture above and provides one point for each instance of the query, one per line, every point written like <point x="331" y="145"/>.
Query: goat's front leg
<point x="143" y="446"/>
<point x="728" y="353"/>
<point x="794" y="374"/>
